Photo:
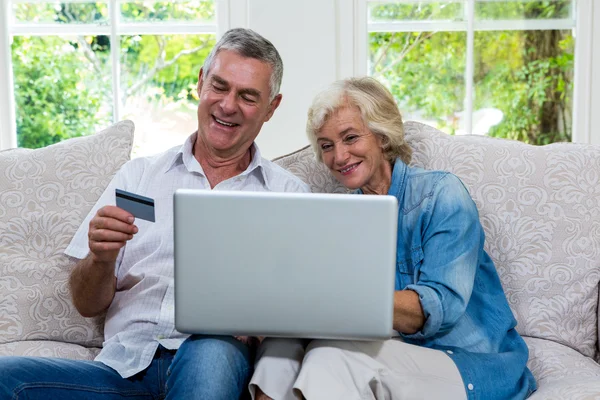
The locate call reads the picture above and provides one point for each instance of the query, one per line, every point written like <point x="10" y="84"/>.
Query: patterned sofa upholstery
<point x="44" y="196"/>
<point x="540" y="208"/>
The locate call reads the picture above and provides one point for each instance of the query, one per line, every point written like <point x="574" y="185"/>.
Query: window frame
<point x="581" y="21"/>
<point x="114" y="29"/>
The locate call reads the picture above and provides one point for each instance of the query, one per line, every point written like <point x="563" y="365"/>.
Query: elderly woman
<point x="457" y="336"/>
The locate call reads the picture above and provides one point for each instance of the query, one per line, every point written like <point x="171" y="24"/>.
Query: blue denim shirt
<point x="440" y="256"/>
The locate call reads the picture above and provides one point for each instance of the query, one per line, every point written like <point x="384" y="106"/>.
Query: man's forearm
<point x="93" y="286"/>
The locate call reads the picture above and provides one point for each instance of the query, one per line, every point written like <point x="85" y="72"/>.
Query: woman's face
<point x="351" y="151"/>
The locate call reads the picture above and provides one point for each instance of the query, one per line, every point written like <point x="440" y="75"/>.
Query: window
<point x="502" y="68"/>
<point x="79" y="65"/>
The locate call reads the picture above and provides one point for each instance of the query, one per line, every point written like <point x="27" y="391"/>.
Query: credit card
<point x="140" y="206"/>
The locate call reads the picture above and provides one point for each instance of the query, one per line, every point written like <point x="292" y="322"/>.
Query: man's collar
<point x="185" y="156"/>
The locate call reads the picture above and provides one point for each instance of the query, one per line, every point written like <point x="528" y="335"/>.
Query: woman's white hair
<point x="377" y="107"/>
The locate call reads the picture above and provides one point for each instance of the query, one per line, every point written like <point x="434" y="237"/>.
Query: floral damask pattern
<point x="48" y="349"/>
<point x="44" y="196"/>
<point x="303" y="164"/>
<point x="561" y="372"/>
<point x="540" y="209"/>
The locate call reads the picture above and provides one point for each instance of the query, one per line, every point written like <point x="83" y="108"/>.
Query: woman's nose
<point x="340" y="155"/>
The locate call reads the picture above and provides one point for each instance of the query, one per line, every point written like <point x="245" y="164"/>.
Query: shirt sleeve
<point x="297" y="185"/>
<point x="452" y="242"/>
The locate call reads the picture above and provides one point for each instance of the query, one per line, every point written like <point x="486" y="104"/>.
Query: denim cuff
<point x="432" y="309"/>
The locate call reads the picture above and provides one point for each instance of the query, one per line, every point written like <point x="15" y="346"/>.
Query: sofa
<point x="539" y="206"/>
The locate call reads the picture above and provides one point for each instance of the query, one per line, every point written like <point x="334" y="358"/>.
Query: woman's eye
<point x="350" y="138"/>
<point x="326" y="147"/>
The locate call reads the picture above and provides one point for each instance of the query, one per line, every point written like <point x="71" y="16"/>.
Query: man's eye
<point x="249" y="99"/>
<point x="219" y="88"/>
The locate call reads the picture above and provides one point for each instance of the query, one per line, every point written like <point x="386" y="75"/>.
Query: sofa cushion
<point x="561" y="372"/>
<point x="540" y="208"/>
<point x="48" y="348"/>
<point x="44" y="196"/>
<point x="304" y="165"/>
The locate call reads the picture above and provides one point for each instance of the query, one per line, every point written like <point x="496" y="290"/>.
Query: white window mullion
<point x="361" y="52"/>
<point x="164" y="28"/>
<point x="470" y="66"/>
<point x="115" y="51"/>
<point x="60" y="30"/>
<point x="8" y="130"/>
<point x="582" y="88"/>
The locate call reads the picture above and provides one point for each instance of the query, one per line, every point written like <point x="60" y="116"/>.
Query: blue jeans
<point x="204" y="367"/>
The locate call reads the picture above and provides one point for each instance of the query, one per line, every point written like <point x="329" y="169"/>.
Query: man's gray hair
<point x="248" y="43"/>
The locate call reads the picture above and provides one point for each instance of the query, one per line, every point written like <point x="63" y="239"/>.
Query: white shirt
<point x="141" y="315"/>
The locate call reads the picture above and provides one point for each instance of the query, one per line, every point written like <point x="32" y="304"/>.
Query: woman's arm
<point x="452" y="242"/>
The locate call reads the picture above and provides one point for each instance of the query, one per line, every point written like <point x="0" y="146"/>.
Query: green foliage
<point x="525" y="74"/>
<point x="63" y="86"/>
<point x="57" y="95"/>
<point x="141" y="54"/>
<point x="63" y="13"/>
<point x="190" y="10"/>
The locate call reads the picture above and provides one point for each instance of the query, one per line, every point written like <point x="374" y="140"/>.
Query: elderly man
<point x="126" y="266"/>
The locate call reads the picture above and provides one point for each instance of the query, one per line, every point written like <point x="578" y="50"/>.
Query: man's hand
<point x="249" y="341"/>
<point x="259" y="395"/>
<point x="109" y="230"/>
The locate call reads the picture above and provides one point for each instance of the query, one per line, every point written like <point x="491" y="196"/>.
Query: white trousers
<point x="354" y="370"/>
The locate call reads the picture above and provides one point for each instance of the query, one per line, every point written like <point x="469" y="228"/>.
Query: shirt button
<point x="470" y="386"/>
<point x="449" y="352"/>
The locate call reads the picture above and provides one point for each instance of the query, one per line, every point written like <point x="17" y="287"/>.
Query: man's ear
<point x="200" y="82"/>
<point x="273" y="106"/>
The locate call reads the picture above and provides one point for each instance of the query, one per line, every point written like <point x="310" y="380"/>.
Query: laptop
<point x="284" y="264"/>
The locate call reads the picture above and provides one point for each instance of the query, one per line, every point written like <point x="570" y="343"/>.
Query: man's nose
<point x="228" y="103"/>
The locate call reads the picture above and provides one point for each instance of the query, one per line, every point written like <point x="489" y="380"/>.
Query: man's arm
<point x="92" y="281"/>
<point x="93" y="286"/>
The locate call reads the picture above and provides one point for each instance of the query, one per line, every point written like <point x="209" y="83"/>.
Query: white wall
<point x="304" y="33"/>
<point x="307" y="35"/>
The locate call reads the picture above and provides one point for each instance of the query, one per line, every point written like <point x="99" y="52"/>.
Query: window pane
<point x="180" y="10"/>
<point x="62" y="87"/>
<point x="523" y="9"/>
<point x="524" y="85"/>
<point x="425" y="73"/>
<point x="159" y="77"/>
<point x="61" y="12"/>
<point x="416" y="11"/>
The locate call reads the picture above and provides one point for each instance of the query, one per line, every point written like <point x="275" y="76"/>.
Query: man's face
<point x="234" y="103"/>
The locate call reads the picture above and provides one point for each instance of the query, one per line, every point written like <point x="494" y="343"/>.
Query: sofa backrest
<point x="44" y="196"/>
<point x="540" y="208"/>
